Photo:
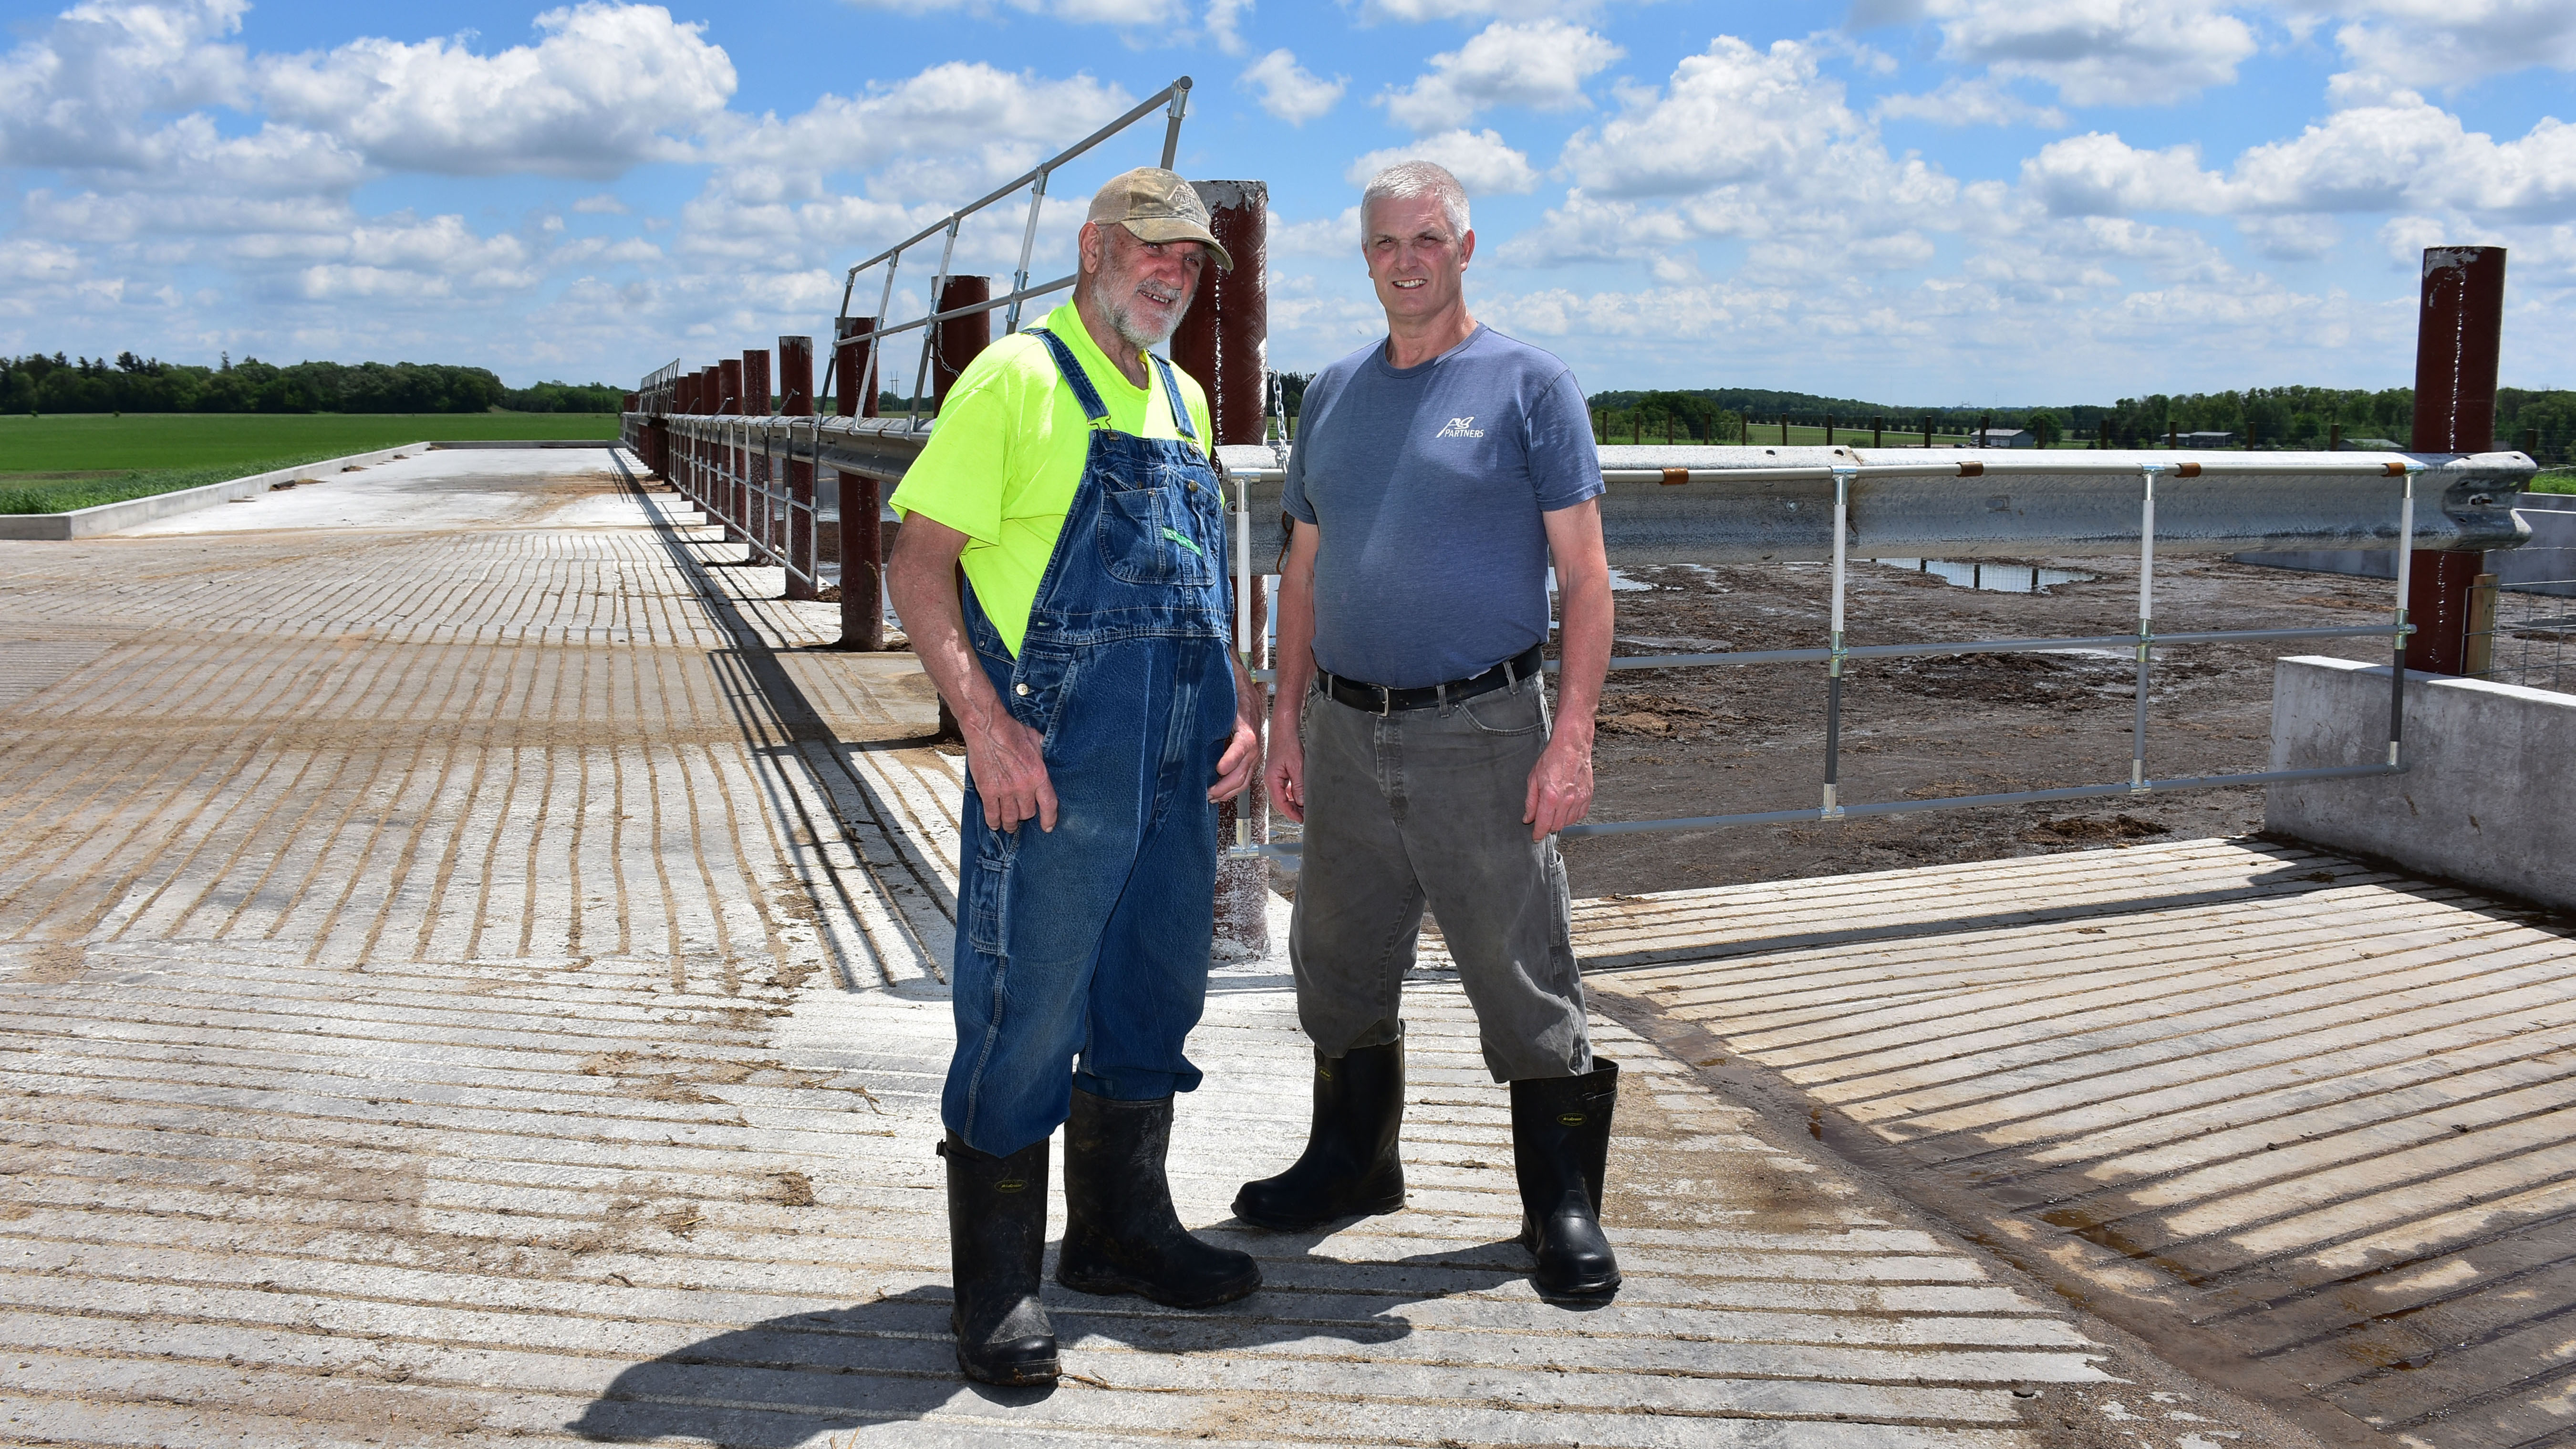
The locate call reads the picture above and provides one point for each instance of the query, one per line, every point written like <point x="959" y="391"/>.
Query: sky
<point x="1987" y="202"/>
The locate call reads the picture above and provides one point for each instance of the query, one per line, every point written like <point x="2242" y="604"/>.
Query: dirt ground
<point x="1748" y="738"/>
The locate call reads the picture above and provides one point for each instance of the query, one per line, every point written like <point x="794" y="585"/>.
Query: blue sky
<point x="1915" y="201"/>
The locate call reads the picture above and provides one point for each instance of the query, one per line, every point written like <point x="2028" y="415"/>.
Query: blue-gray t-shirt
<point x="1426" y="485"/>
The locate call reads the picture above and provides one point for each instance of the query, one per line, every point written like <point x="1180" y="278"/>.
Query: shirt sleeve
<point x="1564" y="462"/>
<point x="964" y="471"/>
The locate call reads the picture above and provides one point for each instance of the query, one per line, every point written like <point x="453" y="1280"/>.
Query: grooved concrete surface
<point x="470" y="973"/>
<point x="2315" y="1117"/>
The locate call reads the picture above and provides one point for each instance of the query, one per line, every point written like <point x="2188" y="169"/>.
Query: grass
<point x="2562" y="480"/>
<point x="55" y="464"/>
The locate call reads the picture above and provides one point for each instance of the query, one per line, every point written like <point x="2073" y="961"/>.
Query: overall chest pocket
<point x="1153" y="536"/>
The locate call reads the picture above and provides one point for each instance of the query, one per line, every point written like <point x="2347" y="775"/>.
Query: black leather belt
<point x="1378" y="699"/>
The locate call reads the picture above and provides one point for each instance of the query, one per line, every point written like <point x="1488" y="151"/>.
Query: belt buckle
<point x="1385" y="700"/>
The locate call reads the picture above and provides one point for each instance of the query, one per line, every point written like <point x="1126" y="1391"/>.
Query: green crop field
<point x="78" y="460"/>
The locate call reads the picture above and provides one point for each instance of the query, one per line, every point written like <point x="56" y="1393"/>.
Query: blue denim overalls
<point x="1093" y="938"/>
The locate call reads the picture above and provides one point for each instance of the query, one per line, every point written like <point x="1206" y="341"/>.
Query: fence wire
<point x="2520" y="633"/>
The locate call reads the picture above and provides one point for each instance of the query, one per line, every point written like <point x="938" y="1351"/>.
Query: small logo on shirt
<point x="1462" y="428"/>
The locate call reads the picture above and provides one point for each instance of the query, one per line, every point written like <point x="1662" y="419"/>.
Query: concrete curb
<point x="2487" y="799"/>
<point x="110" y="517"/>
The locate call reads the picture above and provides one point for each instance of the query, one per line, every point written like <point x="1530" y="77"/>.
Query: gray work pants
<point x="1424" y="806"/>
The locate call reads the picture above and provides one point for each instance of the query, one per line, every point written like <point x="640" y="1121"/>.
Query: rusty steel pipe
<point x="2459" y="335"/>
<point x="729" y="404"/>
<point x="955" y="342"/>
<point x="1224" y="342"/>
<point x="1224" y="339"/>
<point x="754" y="474"/>
<point x="796" y="400"/>
<point x="857" y="541"/>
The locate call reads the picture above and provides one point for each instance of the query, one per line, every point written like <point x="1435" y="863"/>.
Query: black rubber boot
<point x="997" y="1208"/>
<point x="1560" y="1149"/>
<point x="1120" y="1233"/>
<point x="1351" y="1167"/>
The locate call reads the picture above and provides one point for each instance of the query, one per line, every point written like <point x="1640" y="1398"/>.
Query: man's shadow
<point x="781" y="1382"/>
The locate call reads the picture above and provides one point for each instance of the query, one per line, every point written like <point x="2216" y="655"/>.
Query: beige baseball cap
<point x="1158" y="206"/>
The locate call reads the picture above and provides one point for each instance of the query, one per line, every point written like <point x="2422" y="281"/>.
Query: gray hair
<point x="1408" y="179"/>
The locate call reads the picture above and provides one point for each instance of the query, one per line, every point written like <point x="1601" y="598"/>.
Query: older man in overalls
<point x="1091" y="670"/>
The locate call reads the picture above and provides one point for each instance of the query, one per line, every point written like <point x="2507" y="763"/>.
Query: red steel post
<point x="1223" y="341"/>
<point x="796" y="400"/>
<point x="954" y="344"/>
<point x="2458" y="337"/>
<point x="755" y="462"/>
<point x="729" y="404"/>
<point x="684" y="402"/>
<point x="711" y="404"/>
<point x="956" y="341"/>
<point x="860" y="544"/>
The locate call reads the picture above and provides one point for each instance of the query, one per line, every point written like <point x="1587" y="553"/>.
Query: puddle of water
<point x="1619" y="584"/>
<point x="1992" y="578"/>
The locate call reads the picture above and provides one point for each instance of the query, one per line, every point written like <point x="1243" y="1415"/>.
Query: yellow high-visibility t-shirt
<point x="1002" y="464"/>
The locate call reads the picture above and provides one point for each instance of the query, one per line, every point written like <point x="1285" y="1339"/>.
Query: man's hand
<point x="1286" y="776"/>
<point x="1560" y="786"/>
<point x="1003" y="756"/>
<point x="1242" y="758"/>
<point x="1005" y="759"/>
<point x="1235" y="768"/>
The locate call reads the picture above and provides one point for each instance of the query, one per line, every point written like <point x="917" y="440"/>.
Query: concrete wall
<point x="2488" y="798"/>
<point x="109" y="517"/>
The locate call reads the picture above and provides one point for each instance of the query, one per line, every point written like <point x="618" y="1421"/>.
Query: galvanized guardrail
<point x="1716" y="505"/>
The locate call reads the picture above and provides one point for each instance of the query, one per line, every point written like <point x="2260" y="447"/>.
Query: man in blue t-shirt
<point x="1435" y="476"/>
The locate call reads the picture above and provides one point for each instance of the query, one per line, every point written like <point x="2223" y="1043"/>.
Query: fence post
<point x="755" y="463"/>
<point x="1224" y="342"/>
<point x="711" y="403"/>
<point x="729" y="404"/>
<point x="2459" y="333"/>
<point x="796" y="400"/>
<point x="857" y="542"/>
<point x="955" y="343"/>
<point x="2477" y="660"/>
<point x="957" y="340"/>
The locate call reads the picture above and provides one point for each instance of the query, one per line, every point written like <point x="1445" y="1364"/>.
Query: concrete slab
<point x="471" y="971"/>
<point x="2305" y="1124"/>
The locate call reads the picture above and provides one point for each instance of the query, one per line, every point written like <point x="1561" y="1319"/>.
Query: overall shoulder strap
<point x="1172" y="391"/>
<point x="1094" y="411"/>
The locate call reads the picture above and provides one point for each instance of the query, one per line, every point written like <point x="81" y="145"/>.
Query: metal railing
<point x="1837" y="652"/>
<point x="713" y="462"/>
<point x="1172" y="99"/>
<point x="656" y="392"/>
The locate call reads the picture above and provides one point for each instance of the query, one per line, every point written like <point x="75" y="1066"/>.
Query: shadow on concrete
<point x="781" y="1382"/>
<point x="2299" y="873"/>
<point x="808" y="744"/>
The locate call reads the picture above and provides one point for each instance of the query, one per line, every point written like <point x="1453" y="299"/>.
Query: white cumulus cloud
<point x="930" y="134"/>
<point x="1542" y="65"/>
<point x="2403" y="155"/>
<point x="2100" y="52"/>
<point x="76" y="94"/>
<point x="2425" y="43"/>
<point x="605" y="87"/>
<point x="1481" y="160"/>
<point x="1291" y="92"/>
<point x="1978" y="102"/>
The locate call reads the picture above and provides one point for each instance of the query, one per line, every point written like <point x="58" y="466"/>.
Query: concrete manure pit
<point x="470" y="972"/>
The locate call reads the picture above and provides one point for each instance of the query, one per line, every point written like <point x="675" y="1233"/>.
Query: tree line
<point x="130" y="384"/>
